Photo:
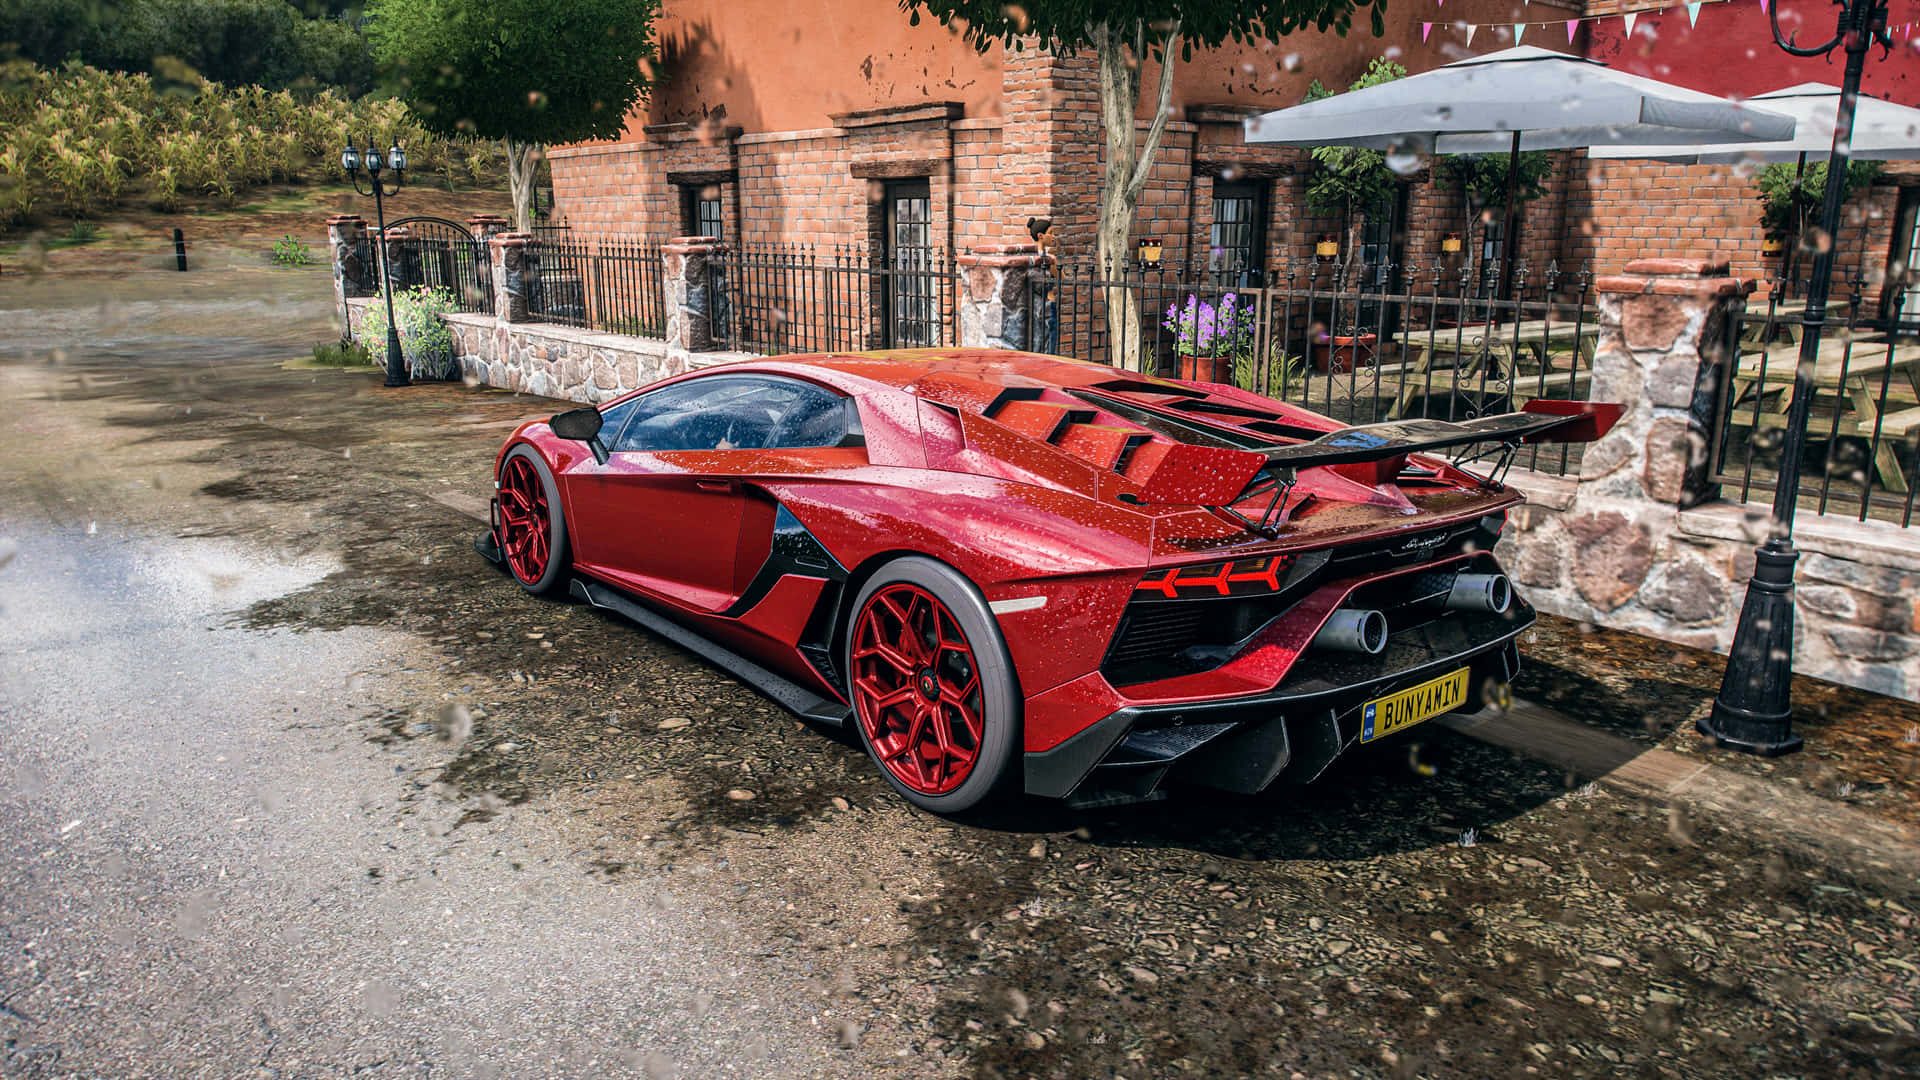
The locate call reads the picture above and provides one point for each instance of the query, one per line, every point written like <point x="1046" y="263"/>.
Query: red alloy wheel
<point x="917" y="689"/>
<point x="524" y="524"/>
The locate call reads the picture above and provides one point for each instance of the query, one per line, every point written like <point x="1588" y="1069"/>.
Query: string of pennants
<point x="1631" y="18"/>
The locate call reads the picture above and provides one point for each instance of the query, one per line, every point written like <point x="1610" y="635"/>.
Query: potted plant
<point x="1342" y="352"/>
<point x="1209" y="338"/>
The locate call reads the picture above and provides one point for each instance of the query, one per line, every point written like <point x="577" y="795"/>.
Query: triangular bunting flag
<point x="1519" y="28"/>
<point x="1425" y="29"/>
<point x="1471" y="27"/>
<point x="1763" y="7"/>
<point x="1693" y="13"/>
<point x="1631" y="17"/>
<point x="1572" y="25"/>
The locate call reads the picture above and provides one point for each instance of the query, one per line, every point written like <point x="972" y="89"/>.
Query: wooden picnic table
<point x="1484" y="360"/>
<point x="1765" y="325"/>
<point x="1854" y="380"/>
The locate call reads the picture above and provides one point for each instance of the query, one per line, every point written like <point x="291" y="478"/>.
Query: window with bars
<point x="701" y="211"/>
<point x="1237" y="244"/>
<point x="1492" y="250"/>
<point x="911" y="315"/>
<point x="1902" y="275"/>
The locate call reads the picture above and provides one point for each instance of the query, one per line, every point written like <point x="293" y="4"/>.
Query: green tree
<point x="1482" y="179"/>
<point x="527" y="72"/>
<point x="1352" y="178"/>
<point x="267" y="43"/>
<point x="1123" y="34"/>
<point x="1790" y="199"/>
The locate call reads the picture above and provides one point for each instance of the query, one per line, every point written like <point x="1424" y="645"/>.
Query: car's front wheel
<point x="935" y="698"/>
<point x="533" y="529"/>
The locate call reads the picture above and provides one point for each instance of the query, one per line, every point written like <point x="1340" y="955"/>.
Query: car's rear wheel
<point x="533" y="529"/>
<point x="935" y="698"/>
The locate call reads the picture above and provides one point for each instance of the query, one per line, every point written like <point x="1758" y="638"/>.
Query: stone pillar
<point x="1662" y="350"/>
<point x="511" y="253"/>
<point x="1609" y="547"/>
<point x="995" y="306"/>
<point x="394" y="256"/>
<point x="696" y="292"/>
<point x="485" y="227"/>
<point x="352" y="268"/>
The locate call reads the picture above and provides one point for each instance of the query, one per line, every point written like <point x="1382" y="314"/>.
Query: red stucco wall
<point x="789" y="64"/>
<point x="1731" y="51"/>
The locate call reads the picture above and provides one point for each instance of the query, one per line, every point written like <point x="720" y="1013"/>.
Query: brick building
<point x="840" y="124"/>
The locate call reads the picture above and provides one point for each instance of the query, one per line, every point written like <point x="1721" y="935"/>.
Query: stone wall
<point x="1639" y="540"/>
<point x="511" y="352"/>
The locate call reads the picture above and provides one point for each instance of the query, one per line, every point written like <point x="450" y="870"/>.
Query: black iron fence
<point x="780" y="299"/>
<point x="1360" y="342"/>
<point x="614" y="286"/>
<point x="458" y="265"/>
<point x="1863" y="438"/>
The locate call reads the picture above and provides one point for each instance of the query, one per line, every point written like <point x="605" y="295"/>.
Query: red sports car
<point x="1008" y="570"/>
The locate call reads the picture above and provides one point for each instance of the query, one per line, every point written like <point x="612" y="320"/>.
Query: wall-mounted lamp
<point x="1327" y="247"/>
<point x="1450" y="244"/>
<point x="1150" y="252"/>
<point x="1773" y="246"/>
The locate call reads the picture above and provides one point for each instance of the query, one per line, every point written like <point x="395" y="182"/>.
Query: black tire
<point x="559" y="555"/>
<point x="995" y="771"/>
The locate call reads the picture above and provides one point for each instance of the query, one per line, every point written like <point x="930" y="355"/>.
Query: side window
<point x="739" y="413"/>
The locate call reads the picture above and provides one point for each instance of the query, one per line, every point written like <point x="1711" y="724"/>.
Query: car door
<point x="663" y="514"/>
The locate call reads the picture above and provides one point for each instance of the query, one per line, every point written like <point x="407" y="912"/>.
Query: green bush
<point x="343" y="353"/>
<point x="425" y="340"/>
<point x="290" y="250"/>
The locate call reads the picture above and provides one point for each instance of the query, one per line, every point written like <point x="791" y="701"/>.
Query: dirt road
<point x="294" y="784"/>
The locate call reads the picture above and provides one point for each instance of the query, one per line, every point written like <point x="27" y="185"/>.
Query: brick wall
<point x="1618" y="209"/>
<point x="1042" y="156"/>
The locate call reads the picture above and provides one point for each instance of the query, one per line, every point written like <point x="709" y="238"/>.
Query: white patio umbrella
<point x="1518" y="99"/>
<point x="1882" y="131"/>
<point x="1521" y="98"/>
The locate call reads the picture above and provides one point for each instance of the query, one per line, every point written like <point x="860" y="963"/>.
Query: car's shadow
<point x="1411" y="794"/>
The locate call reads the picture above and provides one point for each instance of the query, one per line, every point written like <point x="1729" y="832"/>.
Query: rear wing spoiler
<point x="1540" y="420"/>
<point x="1217" y="478"/>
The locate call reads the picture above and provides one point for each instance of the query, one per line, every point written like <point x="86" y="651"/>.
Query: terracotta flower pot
<point x="1343" y="353"/>
<point x="1217" y="369"/>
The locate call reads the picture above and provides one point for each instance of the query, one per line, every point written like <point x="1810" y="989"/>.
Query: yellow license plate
<point x="1397" y="712"/>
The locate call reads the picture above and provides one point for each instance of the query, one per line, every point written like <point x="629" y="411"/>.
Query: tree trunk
<point x="1128" y="167"/>
<point x="523" y="162"/>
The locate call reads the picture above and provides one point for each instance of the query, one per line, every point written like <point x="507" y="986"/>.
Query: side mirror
<point x="581" y="425"/>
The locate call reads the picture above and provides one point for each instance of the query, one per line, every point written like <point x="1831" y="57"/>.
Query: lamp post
<point x="1753" y="712"/>
<point x="351" y="160"/>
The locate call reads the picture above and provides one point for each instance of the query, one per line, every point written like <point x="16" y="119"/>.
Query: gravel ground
<point x="589" y="802"/>
<point x="1863" y="749"/>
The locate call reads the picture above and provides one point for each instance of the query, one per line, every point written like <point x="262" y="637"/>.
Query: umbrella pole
<point x="1508" y="248"/>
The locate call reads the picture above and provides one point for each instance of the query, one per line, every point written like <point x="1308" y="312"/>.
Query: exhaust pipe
<point x="1357" y="630"/>
<point x="1480" y="592"/>
<point x="1465" y="592"/>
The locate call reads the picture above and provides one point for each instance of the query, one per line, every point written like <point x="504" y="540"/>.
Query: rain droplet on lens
<point x="1679" y="825"/>
<point x="377" y="998"/>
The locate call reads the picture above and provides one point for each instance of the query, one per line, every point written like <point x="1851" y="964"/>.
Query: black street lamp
<point x="1754" y="711"/>
<point x="351" y="160"/>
